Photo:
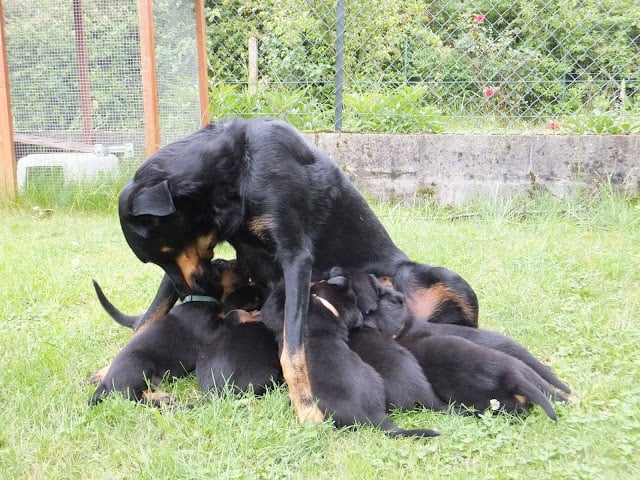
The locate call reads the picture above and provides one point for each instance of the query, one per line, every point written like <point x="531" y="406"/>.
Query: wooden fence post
<point x="149" y="76"/>
<point x="7" y="152"/>
<point x="252" y="84"/>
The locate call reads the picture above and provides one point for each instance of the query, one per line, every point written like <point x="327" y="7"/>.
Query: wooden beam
<point x="203" y="70"/>
<point x="7" y="152"/>
<point x="83" y="72"/>
<point x="149" y="76"/>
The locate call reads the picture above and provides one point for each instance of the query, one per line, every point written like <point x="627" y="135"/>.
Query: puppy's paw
<point x="158" y="399"/>
<point x="98" y="377"/>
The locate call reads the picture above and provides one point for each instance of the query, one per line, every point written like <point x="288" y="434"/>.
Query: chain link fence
<point x="76" y="85"/>
<point x="429" y="66"/>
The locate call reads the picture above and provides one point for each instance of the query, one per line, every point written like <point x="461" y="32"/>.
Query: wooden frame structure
<point x="149" y="86"/>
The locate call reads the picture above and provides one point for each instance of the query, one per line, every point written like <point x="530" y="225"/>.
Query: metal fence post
<point x="339" y="64"/>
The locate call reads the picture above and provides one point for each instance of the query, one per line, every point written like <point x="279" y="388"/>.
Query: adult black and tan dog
<point x="287" y="209"/>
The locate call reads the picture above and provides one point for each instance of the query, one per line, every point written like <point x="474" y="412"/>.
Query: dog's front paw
<point x="158" y="399"/>
<point x="98" y="377"/>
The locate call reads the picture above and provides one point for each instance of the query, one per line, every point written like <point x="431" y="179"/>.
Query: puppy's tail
<point x="513" y="348"/>
<point x="530" y="386"/>
<point x="396" y="432"/>
<point x="129" y="321"/>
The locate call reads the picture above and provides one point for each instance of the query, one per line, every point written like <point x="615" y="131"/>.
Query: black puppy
<point x="405" y="383"/>
<point x="347" y="390"/>
<point x="486" y="338"/>
<point x="464" y="372"/>
<point x="243" y="355"/>
<point x="167" y="347"/>
<point x="286" y="208"/>
<point x="192" y="336"/>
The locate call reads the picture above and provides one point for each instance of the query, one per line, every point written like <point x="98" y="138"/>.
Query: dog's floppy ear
<point x="340" y="283"/>
<point x="154" y="200"/>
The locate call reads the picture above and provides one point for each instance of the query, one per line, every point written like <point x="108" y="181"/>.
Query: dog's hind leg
<point x="436" y="294"/>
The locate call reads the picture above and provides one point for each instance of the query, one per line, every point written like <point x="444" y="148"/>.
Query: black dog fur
<point x="243" y="356"/>
<point x="286" y="208"/>
<point x="405" y="383"/>
<point x="464" y="372"/>
<point x="347" y="390"/>
<point x="223" y="351"/>
<point x="486" y="338"/>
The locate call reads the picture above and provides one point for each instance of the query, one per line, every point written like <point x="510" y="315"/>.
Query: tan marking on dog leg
<point x="296" y="374"/>
<point x="98" y="377"/>
<point x="425" y="302"/>
<point x="159" y="313"/>
<point x="385" y="282"/>
<point x="521" y="399"/>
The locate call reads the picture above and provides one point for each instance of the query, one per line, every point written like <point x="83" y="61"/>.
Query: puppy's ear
<point x="340" y="283"/>
<point x="154" y="200"/>
<point x="336" y="271"/>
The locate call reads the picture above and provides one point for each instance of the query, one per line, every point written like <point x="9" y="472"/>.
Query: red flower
<point x="489" y="92"/>
<point x="553" y="125"/>
<point x="478" y="18"/>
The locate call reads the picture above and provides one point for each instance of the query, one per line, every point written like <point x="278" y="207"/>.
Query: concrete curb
<point x="453" y="167"/>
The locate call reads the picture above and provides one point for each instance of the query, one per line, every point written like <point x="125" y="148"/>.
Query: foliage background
<point x="412" y="66"/>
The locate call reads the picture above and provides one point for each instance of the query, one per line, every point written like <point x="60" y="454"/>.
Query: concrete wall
<point x="451" y="168"/>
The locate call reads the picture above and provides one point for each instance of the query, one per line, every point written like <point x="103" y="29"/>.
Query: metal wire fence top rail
<point x="421" y="66"/>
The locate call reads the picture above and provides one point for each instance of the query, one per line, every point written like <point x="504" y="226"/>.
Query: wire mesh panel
<point x="444" y="65"/>
<point x="177" y="68"/>
<point x="76" y="85"/>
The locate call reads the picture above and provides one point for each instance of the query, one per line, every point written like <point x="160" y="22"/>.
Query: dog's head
<point x="383" y="307"/>
<point x="336" y="296"/>
<point x="178" y="240"/>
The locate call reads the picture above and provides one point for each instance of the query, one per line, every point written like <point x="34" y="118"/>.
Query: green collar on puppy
<point x="199" y="298"/>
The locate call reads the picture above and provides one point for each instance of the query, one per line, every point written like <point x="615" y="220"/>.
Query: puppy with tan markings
<point x="194" y="335"/>
<point x="405" y="383"/>
<point x="347" y="390"/>
<point x="464" y="372"/>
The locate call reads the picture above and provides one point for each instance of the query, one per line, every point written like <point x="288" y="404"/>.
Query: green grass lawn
<point x="561" y="277"/>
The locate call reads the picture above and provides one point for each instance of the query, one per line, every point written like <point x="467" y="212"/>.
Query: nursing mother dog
<point x="288" y="211"/>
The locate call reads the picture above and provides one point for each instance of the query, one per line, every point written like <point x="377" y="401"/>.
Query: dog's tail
<point x="530" y="386"/>
<point x="396" y="432"/>
<point x="518" y="351"/>
<point x="129" y="321"/>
